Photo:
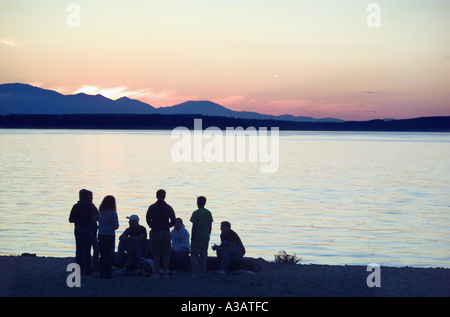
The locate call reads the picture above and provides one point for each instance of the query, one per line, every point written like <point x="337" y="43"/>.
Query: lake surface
<point x="337" y="197"/>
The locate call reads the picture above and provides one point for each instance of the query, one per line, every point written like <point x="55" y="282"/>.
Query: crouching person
<point x="231" y="247"/>
<point x="179" y="260"/>
<point x="132" y="241"/>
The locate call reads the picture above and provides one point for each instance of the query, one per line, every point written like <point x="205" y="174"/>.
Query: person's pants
<point x="225" y="256"/>
<point x="83" y="240"/>
<point x="180" y="260"/>
<point x="199" y="257"/>
<point x="107" y="245"/>
<point x="136" y="249"/>
<point x="96" y="255"/>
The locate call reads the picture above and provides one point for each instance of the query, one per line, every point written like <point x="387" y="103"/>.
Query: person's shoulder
<point x="196" y="212"/>
<point x="142" y="228"/>
<point x="208" y="211"/>
<point x="168" y="206"/>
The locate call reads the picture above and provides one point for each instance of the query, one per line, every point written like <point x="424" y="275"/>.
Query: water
<point x="337" y="198"/>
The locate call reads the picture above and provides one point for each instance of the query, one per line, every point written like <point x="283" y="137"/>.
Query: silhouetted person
<point x="181" y="247"/>
<point x="231" y="247"/>
<point x="84" y="215"/>
<point x="108" y="223"/>
<point x="201" y="230"/>
<point x="132" y="240"/>
<point x="160" y="218"/>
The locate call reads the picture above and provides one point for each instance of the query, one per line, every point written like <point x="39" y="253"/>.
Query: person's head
<point x="201" y="202"/>
<point x="225" y="226"/>
<point x="133" y="221"/>
<point x="86" y="195"/>
<point x="178" y="224"/>
<point x="161" y="194"/>
<point x="109" y="202"/>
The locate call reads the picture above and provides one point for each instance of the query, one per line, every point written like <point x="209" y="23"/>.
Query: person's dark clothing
<point x="84" y="215"/>
<point x="160" y="216"/>
<point x="107" y="246"/>
<point x="232" y="237"/>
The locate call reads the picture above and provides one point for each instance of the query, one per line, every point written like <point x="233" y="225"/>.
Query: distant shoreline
<point x="170" y="122"/>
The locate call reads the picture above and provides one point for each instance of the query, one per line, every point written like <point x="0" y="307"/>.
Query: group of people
<point x="95" y="228"/>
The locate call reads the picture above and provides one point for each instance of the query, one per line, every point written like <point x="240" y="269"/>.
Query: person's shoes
<point x="155" y="276"/>
<point x="221" y="272"/>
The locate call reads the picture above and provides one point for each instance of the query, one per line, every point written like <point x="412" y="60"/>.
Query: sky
<point x="304" y="58"/>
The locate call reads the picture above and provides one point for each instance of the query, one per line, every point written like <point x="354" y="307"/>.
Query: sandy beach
<point x="46" y="277"/>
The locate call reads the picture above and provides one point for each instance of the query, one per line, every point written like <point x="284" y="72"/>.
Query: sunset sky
<point x="305" y="58"/>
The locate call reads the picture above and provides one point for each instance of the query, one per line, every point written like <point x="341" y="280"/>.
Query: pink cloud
<point x="230" y="100"/>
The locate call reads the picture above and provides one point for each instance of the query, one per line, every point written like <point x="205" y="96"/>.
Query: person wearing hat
<point x="131" y="240"/>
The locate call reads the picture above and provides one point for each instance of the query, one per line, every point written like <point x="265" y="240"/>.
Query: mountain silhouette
<point x="26" y="99"/>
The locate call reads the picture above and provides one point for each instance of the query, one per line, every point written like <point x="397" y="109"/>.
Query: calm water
<point x="337" y="198"/>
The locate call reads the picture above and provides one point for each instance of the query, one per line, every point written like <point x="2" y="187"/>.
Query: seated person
<point x="180" y="244"/>
<point x="231" y="247"/>
<point x="132" y="240"/>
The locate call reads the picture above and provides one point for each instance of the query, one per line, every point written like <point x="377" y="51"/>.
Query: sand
<point x="46" y="276"/>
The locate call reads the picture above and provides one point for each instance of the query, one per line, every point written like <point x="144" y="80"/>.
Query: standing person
<point x="180" y="246"/>
<point x="201" y="230"/>
<point x="231" y="247"/>
<point x="84" y="215"/>
<point x="108" y="223"/>
<point x="160" y="218"/>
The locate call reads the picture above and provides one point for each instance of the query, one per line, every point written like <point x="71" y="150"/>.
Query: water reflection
<point x="337" y="198"/>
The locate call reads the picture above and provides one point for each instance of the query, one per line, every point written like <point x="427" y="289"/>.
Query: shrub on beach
<point x="283" y="258"/>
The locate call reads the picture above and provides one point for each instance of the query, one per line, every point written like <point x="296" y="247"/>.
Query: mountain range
<point x="26" y="99"/>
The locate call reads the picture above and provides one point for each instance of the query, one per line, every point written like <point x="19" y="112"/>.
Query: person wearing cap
<point x="131" y="240"/>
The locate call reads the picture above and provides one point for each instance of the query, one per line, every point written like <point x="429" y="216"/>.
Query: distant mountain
<point x="209" y="108"/>
<point x="26" y="99"/>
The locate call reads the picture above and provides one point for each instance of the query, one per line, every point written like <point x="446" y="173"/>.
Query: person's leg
<point x="195" y="252"/>
<point x="87" y="255"/>
<point x="106" y="244"/>
<point x="95" y="257"/>
<point x="79" y="249"/>
<point x="181" y="259"/>
<point x="156" y="251"/>
<point x="167" y="252"/>
<point x="140" y="249"/>
<point x="111" y="249"/>
<point x="102" y="260"/>
<point x="204" y="257"/>
<point x="83" y="235"/>
<point x="120" y="252"/>
<point x="227" y="256"/>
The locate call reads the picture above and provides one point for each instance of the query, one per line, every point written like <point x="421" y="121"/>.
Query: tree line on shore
<point x="170" y="122"/>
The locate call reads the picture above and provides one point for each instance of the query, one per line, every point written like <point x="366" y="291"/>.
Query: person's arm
<point x="73" y="213"/>
<point x="148" y="217"/>
<point x="115" y="221"/>
<point x="186" y="237"/>
<point x="171" y="217"/>
<point x="194" y="229"/>
<point x="226" y="247"/>
<point x="124" y="236"/>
